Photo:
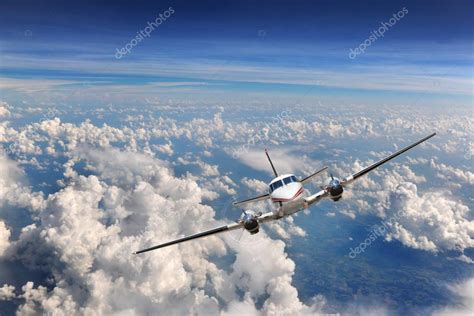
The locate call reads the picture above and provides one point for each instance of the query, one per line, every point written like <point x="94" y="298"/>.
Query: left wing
<point x="195" y="236"/>
<point x="251" y="200"/>
<point x="261" y="218"/>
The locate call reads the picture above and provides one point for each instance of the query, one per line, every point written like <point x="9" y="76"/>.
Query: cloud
<point x="166" y="148"/>
<point x="451" y="173"/>
<point x="32" y="85"/>
<point x="13" y="187"/>
<point x="4" y="237"/>
<point x="401" y="76"/>
<point x="465" y="291"/>
<point x="4" y="109"/>
<point x="7" y="292"/>
<point x="255" y="185"/>
<point x="85" y="232"/>
<point x="284" y="160"/>
<point x="432" y="221"/>
<point x="88" y="230"/>
<point x="275" y="282"/>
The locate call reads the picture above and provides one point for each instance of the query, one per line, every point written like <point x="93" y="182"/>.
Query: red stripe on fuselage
<point x="286" y="200"/>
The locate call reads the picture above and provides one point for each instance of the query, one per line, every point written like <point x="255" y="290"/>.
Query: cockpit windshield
<point x="280" y="183"/>
<point x="276" y="185"/>
<point x="289" y="179"/>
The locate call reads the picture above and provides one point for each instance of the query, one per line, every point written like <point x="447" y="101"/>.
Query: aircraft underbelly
<point x="293" y="206"/>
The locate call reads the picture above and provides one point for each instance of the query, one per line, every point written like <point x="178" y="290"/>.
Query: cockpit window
<point x="293" y="178"/>
<point x="276" y="185"/>
<point x="287" y="180"/>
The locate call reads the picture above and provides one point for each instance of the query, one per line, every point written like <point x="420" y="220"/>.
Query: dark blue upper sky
<point x="257" y="43"/>
<point x="441" y="21"/>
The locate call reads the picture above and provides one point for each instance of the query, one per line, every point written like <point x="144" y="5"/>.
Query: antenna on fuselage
<point x="271" y="163"/>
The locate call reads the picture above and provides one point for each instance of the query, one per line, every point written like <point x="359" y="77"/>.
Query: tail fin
<point x="271" y="163"/>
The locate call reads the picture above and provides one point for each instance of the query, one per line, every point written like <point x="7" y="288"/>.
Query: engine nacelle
<point x="335" y="189"/>
<point x="250" y="222"/>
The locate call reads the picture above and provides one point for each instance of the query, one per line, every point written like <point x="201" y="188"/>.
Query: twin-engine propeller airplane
<point x="286" y="191"/>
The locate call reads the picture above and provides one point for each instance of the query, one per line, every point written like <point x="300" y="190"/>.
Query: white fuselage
<point x="288" y="192"/>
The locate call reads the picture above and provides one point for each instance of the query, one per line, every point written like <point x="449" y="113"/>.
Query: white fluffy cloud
<point x="465" y="291"/>
<point x="283" y="159"/>
<point x="447" y="172"/>
<point x="86" y="231"/>
<point x="89" y="229"/>
<point x="431" y="221"/>
<point x="4" y="109"/>
<point x="4" y="237"/>
<point x="13" y="187"/>
<point x="7" y="292"/>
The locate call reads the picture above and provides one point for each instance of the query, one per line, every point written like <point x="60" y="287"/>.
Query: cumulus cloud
<point x="89" y="229"/>
<point x="430" y="221"/>
<point x="465" y="291"/>
<point x="284" y="160"/>
<point x="166" y="148"/>
<point x="274" y="282"/>
<point x="4" y="109"/>
<point x="4" y="237"/>
<point x="85" y="232"/>
<point x="447" y="172"/>
<point x="7" y="292"/>
<point x="13" y="187"/>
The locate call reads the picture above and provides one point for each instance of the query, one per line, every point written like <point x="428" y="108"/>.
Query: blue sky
<point x="115" y="154"/>
<point x="226" y="49"/>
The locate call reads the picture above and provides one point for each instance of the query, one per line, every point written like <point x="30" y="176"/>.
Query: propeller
<point x="334" y="187"/>
<point x="250" y="221"/>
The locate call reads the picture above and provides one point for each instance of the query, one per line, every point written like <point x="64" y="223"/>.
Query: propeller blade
<point x="241" y="233"/>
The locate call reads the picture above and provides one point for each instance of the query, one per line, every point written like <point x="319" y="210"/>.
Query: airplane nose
<point x="296" y="190"/>
<point x="288" y="192"/>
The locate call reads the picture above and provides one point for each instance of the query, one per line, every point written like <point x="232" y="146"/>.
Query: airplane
<point x="286" y="192"/>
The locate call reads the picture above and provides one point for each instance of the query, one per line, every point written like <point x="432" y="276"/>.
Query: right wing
<point x="308" y="178"/>
<point x="323" y="193"/>
<point x="251" y="200"/>
<point x="310" y="200"/>
<point x="381" y="162"/>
